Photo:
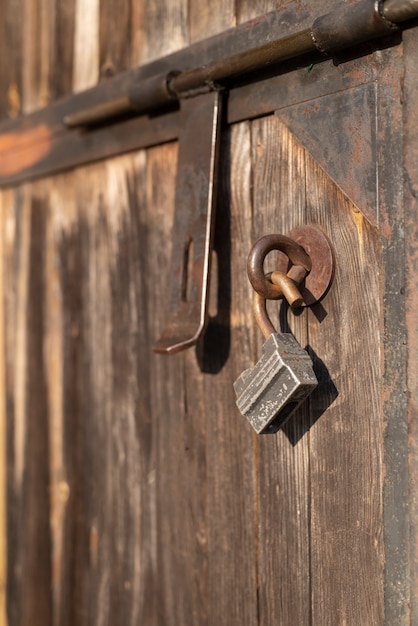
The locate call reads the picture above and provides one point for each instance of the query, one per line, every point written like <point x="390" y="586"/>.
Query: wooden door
<point x="133" y="492"/>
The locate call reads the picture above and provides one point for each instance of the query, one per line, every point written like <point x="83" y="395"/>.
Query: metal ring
<point x="255" y="264"/>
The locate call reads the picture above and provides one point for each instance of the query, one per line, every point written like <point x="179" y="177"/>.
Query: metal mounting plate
<point x="320" y="250"/>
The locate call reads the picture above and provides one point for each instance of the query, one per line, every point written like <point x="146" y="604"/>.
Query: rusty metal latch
<point x="193" y="223"/>
<point x="344" y="27"/>
<point x="197" y="91"/>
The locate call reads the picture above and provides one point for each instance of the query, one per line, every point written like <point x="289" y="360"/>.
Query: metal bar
<point x="342" y="28"/>
<point x="193" y="223"/>
<point x="400" y="10"/>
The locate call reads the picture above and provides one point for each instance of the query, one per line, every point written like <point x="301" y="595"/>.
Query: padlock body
<point x="268" y="393"/>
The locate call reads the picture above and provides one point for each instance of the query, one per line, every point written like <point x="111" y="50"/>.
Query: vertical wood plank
<point x="115" y="36"/>
<point x="4" y="200"/>
<point x="163" y="26"/>
<point x="86" y="44"/>
<point x="11" y="36"/>
<point x="411" y="249"/>
<point x="35" y="502"/>
<point x="248" y="10"/>
<point x="107" y="562"/>
<point x="181" y="458"/>
<point x="346" y="441"/>
<point x="28" y="496"/>
<point x="38" y="48"/>
<point x="60" y="211"/>
<point x="61" y="79"/>
<point x="208" y="19"/>
<point x="389" y="113"/>
<point x="283" y="459"/>
<point x="224" y="352"/>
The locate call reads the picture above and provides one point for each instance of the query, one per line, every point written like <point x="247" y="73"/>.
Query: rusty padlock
<point x="268" y="393"/>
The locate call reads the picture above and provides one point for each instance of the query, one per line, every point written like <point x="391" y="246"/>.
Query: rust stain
<point x="19" y="151"/>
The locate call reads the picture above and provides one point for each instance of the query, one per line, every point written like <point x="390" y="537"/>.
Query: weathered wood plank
<point x="11" y="59"/>
<point x="107" y="557"/>
<point x="86" y="44"/>
<point x="394" y="376"/>
<point x="249" y="10"/>
<point x="346" y="442"/>
<point x="4" y="200"/>
<point x="27" y="411"/>
<point x="411" y="249"/>
<point x="226" y="349"/>
<point x="206" y="20"/>
<point x="114" y="36"/>
<point x="38" y="52"/>
<point x="60" y="200"/>
<point x="180" y="458"/>
<point x="164" y="27"/>
<point x="61" y="76"/>
<point x="282" y="459"/>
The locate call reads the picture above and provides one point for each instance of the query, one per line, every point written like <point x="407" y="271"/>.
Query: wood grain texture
<point x="4" y="199"/>
<point x="210" y="18"/>
<point x="164" y="28"/>
<point x="11" y="63"/>
<point x="38" y="49"/>
<point x="283" y="460"/>
<point x="394" y="398"/>
<point x="248" y="10"/>
<point x="27" y="412"/>
<point x="61" y="76"/>
<point x="228" y="347"/>
<point x="346" y="443"/>
<point x="136" y="493"/>
<point x="411" y="206"/>
<point x="114" y="36"/>
<point x="86" y="44"/>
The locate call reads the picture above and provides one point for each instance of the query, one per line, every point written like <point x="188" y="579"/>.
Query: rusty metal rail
<point x="342" y="28"/>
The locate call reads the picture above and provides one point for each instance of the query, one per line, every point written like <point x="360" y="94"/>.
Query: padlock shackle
<point x="262" y="317"/>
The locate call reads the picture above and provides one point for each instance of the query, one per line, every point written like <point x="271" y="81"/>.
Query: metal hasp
<point x="269" y="392"/>
<point x="193" y="222"/>
<point x="140" y="108"/>
<point x="344" y="27"/>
